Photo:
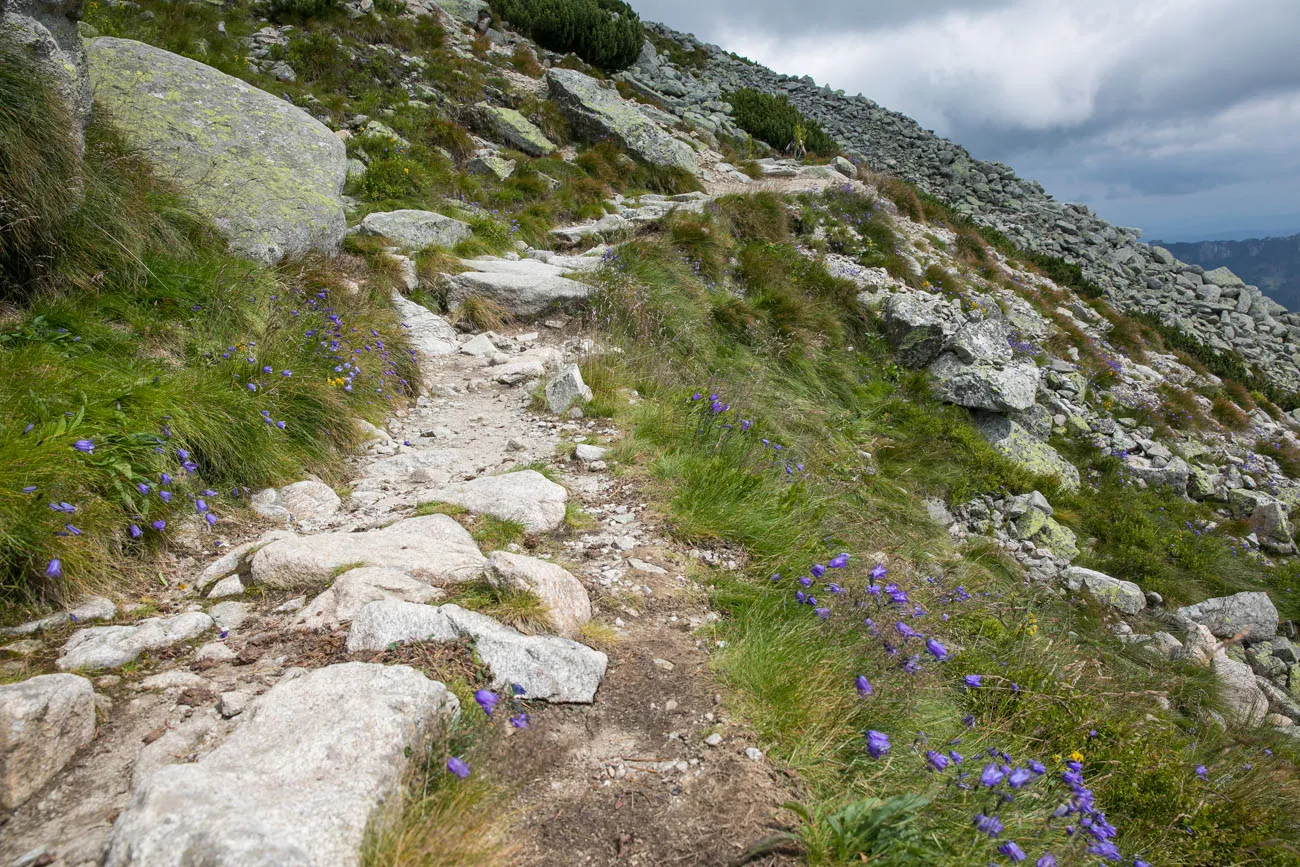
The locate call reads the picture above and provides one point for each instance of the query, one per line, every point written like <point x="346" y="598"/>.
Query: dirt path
<point x="634" y="778"/>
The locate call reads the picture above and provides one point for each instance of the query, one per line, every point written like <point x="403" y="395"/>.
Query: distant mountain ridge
<point x="1272" y="264"/>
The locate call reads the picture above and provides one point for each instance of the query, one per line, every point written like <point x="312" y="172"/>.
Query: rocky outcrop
<point x="296" y="782"/>
<point x="597" y="111"/>
<point x="43" y="722"/>
<point x="267" y="174"/>
<point x="355" y="589"/>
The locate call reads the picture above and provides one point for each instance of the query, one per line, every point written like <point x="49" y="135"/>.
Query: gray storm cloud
<point x="1163" y="113"/>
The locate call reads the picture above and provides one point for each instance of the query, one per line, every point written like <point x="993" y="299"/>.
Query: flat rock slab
<point x="548" y="667"/>
<point x="114" y="646"/>
<point x="433" y="548"/>
<point x="526" y="496"/>
<point x="525" y="287"/>
<point x="269" y="175"/>
<point x="43" y="722"/>
<point x="598" y="112"/>
<point x="415" y="230"/>
<point x="429" y="333"/>
<point x="94" y="608"/>
<point x="296" y="782"/>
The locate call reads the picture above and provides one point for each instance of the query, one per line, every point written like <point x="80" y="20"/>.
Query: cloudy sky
<point x="1178" y="116"/>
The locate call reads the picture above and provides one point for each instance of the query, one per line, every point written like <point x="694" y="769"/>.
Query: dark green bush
<point x="773" y="119"/>
<point x="282" y="11"/>
<point x="605" y="33"/>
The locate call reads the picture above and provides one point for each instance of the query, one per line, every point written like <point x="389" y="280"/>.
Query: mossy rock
<point x="267" y="174"/>
<point x="599" y="112"/>
<point x="515" y="130"/>
<point x="1016" y="444"/>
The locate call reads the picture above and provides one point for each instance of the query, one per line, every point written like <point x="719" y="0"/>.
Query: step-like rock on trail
<point x="296" y="783"/>
<point x="433" y="548"/>
<point x="43" y="722"/>
<point x="526" y="496"/>
<point x="546" y="667"/>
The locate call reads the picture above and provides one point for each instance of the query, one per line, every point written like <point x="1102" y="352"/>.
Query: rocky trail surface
<point x="245" y="715"/>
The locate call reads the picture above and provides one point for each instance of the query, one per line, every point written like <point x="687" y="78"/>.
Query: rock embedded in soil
<point x="415" y="230"/>
<point x="548" y="667"/>
<point x="525" y="496"/>
<point x="566" y="389"/>
<point x="296" y="782"/>
<point x="102" y="647"/>
<point x="43" y="722"/>
<point x="356" y="588"/>
<point x="565" y="599"/>
<point x="432" y="548"/>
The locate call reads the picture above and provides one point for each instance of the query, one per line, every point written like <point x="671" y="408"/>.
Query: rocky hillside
<point x="434" y="439"/>
<point x="1271" y="263"/>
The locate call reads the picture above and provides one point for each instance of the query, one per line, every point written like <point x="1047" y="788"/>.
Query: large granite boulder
<point x="429" y="333"/>
<point x="266" y="173"/>
<point x="1243" y="700"/>
<point x="43" y="722"/>
<point x="513" y="129"/>
<point x="1124" y="596"/>
<point x="1016" y="444"/>
<point x="597" y="111"/>
<point x="1226" y="616"/>
<point x="297" y="782"/>
<point x="46" y="33"/>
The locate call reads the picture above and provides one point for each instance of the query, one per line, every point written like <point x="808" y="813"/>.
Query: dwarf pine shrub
<point x="605" y="33"/>
<point x="772" y="119"/>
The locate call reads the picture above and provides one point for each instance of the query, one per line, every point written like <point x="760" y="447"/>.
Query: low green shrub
<point x="605" y="33"/>
<point x="772" y="119"/>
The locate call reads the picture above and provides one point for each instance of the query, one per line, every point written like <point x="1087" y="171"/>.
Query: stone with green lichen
<point x="1057" y="538"/>
<point x="1016" y="444"/>
<point x="267" y="174"/>
<point x="492" y="164"/>
<point x="599" y="112"/>
<point x="515" y="130"/>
